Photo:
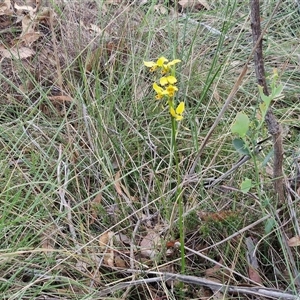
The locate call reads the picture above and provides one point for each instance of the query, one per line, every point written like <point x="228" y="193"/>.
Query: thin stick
<point x="273" y="126"/>
<point x="215" y="286"/>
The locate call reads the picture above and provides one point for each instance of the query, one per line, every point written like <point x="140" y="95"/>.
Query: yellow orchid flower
<point x="160" y="92"/>
<point x="166" y="67"/>
<point x="154" y="65"/>
<point x="177" y="114"/>
<point x="167" y="79"/>
<point x="171" y="89"/>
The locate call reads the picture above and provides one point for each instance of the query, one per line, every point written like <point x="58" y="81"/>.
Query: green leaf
<point x="266" y="99"/>
<point x="240" y="146"/>
<point x="241" y="124"/>
<point x="276" y="92"/>
<point x="263" y="109"/>
<point x="246" y="185"/>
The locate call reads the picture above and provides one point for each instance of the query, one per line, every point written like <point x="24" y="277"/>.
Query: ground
<point x="104" y="194"/>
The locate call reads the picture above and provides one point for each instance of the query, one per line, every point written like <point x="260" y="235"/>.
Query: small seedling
<point x="248" y="130"/>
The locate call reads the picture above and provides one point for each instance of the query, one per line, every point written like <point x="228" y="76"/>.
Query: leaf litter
<point x="32" y="21"/>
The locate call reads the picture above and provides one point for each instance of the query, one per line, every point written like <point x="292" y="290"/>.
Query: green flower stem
<point x="178" y="195"/>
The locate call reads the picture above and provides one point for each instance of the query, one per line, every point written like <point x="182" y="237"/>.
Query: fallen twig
<point x="224" y="288"/>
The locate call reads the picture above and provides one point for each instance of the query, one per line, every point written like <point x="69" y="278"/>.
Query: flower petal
<point x="173" y="62"/>
<point x="157" y="88"/>
<point x="180" y="108"/>
<point x="163" y="81"/>
<point x="171" y="89"/>
<point x="161" y="61"/>
<point x="171" y="79"/>
<point x="172" y="112"/>
<point x="149" y="64"/>
<point x="175" y="115"/>
<point x="178" y="118"/>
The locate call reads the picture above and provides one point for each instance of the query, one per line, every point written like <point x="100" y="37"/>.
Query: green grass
<point x="112" y="140"/>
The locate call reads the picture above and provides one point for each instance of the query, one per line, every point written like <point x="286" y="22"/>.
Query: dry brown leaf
<point x="34" y="3"/>
<point x="16" y="53"/>
<point x="97" y="200"/>
<point x="254" y="275"/>
<point x="119" y="262"/>
<point x="121" y="189"/>
<point x="216" y="216"/>
<point x="44" y="16"/>
<point x="81" y="266"/>
<point x="198" y="4"/>
<point x="118" y="183"/>
<point x="214" y="271"/>
<point x="294" y="241"/>
<point x="63" y="98"/>
<point x="95" y="28"/>
<point x="149" y="244"/>
<point x="161" y="9"/>
<point x="269" y="170"/>
<point x="217" y="272"/>
<point x="108" y="258"/>
<point x="30" y="38"/>
<point x="24" y="8"/>
<point x="253" y="265"/>
<point x="120" y="237"/>
<point x="216" y="94"/>
<point x="105" y="239"/>
<point x="113" y="2"/>
<point x="216" y="294"/>
<point x="31" y="6"/>
<point x="5" y="8"/>
<point x="93" y="60"/>
<point x="28" y="25"/>
<point x="106" y="245"/>
<point x="49" y="236"/>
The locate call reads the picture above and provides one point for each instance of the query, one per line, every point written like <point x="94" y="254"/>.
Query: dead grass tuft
<point x="87" y="190"/>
